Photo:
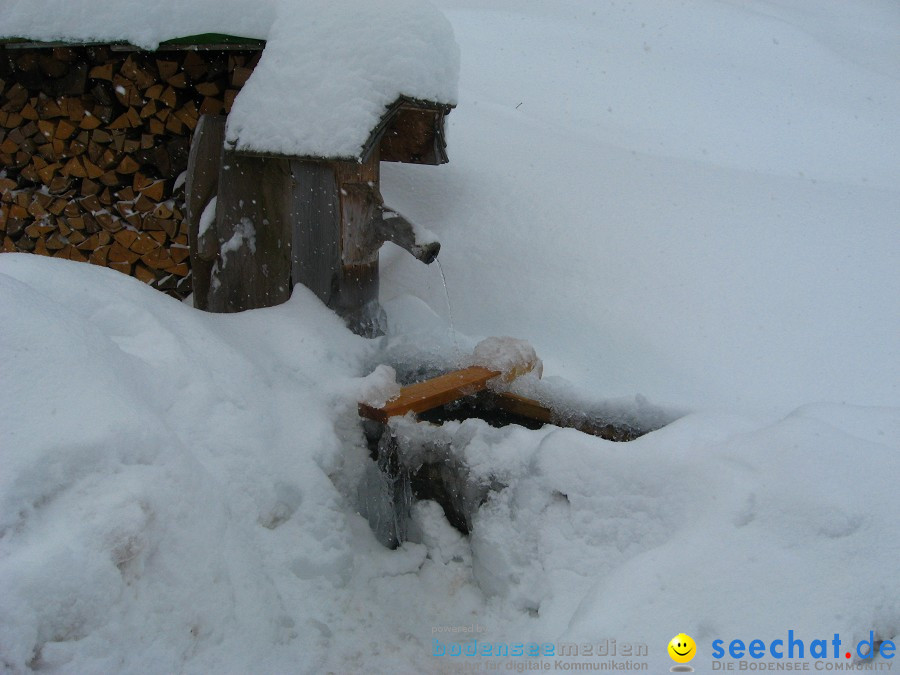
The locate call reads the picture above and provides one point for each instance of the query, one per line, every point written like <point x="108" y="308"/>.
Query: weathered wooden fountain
<point x="277" y="221"/>
<point x="416" y="457"/>
<point x="260" y="223"/>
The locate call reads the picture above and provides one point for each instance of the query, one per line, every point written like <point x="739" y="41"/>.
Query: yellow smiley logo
<point x="682" y="648"/>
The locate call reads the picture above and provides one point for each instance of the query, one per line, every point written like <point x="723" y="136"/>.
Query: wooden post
<point x="356" y="299"/>
<point x="282" y="221"/>
<point x="253" y="224"/>
<point x="316" y="228"/>
<point x="335" y="243"/>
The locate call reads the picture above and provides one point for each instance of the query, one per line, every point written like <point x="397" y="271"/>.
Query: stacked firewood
<point x="93" y="147"/>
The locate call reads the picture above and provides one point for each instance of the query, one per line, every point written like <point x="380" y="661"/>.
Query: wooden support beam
<point x="431" y="393"/>
<point x="526" y="407"/>
<point x="315" y="228"/>
<point x="253" y="227"/>
<point x="531" y="409"/>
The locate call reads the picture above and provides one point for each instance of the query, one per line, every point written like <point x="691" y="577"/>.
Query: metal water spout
<point x="397" y="229"/>
<point x="317" y="221"/>
<point x="279" y="221"/>
<point x="368" y="223"/>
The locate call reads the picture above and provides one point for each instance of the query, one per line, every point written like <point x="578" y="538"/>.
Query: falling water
<point x="385" y="496"/>
<point x="449" y="308"/>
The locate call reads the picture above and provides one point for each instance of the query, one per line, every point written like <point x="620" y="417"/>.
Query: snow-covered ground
<point x="694" y="203"/>
<point x="693" y="200"/>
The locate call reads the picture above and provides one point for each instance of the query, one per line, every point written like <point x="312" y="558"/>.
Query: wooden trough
<point x="427" y="395"/>
<point x="468" y="390"/>
<point x="444" y="478"/>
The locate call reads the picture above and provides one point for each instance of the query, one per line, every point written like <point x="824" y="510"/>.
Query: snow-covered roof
<point x="329" y="71"/>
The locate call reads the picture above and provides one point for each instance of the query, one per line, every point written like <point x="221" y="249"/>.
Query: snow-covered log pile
<point x="93" y="143"/>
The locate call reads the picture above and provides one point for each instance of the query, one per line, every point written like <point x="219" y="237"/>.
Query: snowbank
<point x="181" y="493"/>
<point x="154" y="456"/>
<point x="694" y="202"/>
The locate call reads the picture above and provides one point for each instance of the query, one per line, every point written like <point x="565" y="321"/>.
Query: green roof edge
<point x="214" y="39"/>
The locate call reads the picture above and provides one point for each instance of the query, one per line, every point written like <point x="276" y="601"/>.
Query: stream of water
<point x="449" y="308"/>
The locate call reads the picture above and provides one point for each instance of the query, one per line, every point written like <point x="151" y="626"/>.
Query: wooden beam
<point x="526" y="407"/>
<point x="431" y="393"/>
<point x="315" y="228"/>
<point x="253" y="226"/>
<point x="377" y="133"/>
<point x="415" y="135"/>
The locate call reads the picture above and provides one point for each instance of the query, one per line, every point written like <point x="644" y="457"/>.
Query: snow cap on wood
<point x="510" y="356"/>
<point x="331" y="69"/>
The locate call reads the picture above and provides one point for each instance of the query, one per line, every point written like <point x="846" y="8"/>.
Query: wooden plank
<point x="431" y="393"/>
<point x="526" y="407"/>
<point x="316" y="228"/>
<point x="355" y="297"/>
<point x="203" y="166"/>
<point x="253" y="226"/>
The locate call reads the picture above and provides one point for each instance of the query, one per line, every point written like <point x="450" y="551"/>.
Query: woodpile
<point x="94" y="143"/>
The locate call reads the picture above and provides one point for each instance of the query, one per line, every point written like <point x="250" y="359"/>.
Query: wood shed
<point x="230" y="167"/>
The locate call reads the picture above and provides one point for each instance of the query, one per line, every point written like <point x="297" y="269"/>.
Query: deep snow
<point x="696" y="201"/>
<point x="179" y="490"/>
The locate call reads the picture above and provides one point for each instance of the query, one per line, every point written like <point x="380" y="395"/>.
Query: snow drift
<point x="327" y="74"/>
<point x="180" y="491"/>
